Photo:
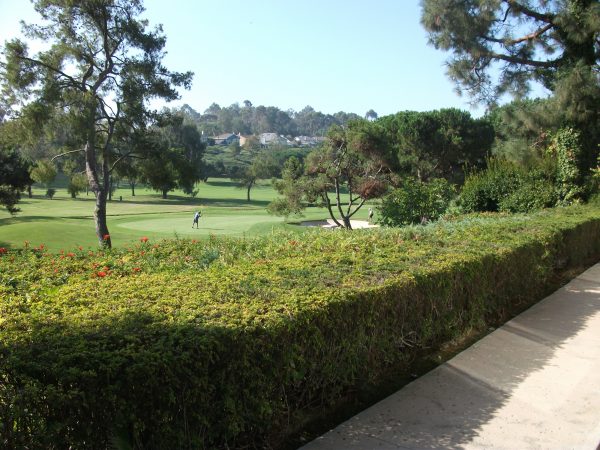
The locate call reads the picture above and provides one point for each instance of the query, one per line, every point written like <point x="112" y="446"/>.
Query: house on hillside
<point x="309" y="141"/>
<point x="243" y="139"/>
<point x="226" y="139"/>
<point x="205" y="139"/>
<point x="268" y="139"/>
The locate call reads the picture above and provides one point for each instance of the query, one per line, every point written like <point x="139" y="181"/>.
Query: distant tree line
<point x="252" y="120"/>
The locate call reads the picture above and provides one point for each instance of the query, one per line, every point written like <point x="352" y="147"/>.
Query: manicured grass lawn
<point x="65" y="223"/>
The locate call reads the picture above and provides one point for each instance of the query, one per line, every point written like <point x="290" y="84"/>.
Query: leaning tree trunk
<point x="98" y="189"/>
<point x="100" y="219"/>
<point x="345" y="217"/>
<point x="330" y="209"/>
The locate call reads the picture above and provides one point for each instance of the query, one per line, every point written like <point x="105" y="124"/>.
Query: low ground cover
<point x="230" y="342"/>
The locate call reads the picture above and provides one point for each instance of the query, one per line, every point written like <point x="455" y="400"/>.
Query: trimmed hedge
<point x="226" y="343"/>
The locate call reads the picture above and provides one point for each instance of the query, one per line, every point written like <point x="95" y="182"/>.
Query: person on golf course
<point x="196" y="217"/>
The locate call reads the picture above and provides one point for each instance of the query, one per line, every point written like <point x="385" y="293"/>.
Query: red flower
<point x="70" y="254"/>
<point x="80" y="248"/>
<point x="101" y="274"/>
<point x="136" y="269"/>
<point x="3" y="250"/>
<point x="106" y="237"/>
<point x="144" y="239"/>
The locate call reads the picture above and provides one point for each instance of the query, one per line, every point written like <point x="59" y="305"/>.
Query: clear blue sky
<point x="335" y="55"/>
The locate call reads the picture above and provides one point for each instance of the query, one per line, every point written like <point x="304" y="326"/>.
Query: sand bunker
<point x="329" y="223"/>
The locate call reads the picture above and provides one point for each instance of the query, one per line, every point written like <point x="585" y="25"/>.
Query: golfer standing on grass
<point x="196" y="217"/>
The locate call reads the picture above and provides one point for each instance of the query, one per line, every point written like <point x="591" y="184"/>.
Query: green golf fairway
<point x="66" y="223"/>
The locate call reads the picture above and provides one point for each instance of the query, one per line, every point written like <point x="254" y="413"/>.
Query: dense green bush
<point x="415" y="202"/>
<point x="532" y="194"/>
<point x="508" y="187"/>
<point x="228" y="343"/>
<point x="566" y="148"/>
<point x="484" y="190"/>
<point x="78" y="183"/>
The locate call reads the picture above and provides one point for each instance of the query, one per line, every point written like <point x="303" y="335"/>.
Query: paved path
<point x="534" y="383"/>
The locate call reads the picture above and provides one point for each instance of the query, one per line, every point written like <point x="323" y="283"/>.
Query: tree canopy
<point x="436" y="144"/>
<point x="502" y="46"/>
<point x="173" y="157"/>
<point x="526" y="40"/>
<point x="350" y="163"/>
<point x="100" y="68"/>
<point x="14" y="178"/>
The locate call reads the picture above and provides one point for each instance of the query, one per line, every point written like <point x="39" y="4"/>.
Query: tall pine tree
<point x="102" y="67"/>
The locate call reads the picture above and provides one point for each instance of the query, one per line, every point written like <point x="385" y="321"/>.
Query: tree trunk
<point x="100" y="219"/>
<point x="29" y="193"/>
<point x="248" y="193"/>
<point x="132" y="189"/>
<point x="347" y="223"/>
<point x="330" y="209"/>
<point x="99" y="190"/>
<point x="164" y="193"/>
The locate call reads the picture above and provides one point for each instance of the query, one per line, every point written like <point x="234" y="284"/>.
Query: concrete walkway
<point x="532" y="384"/>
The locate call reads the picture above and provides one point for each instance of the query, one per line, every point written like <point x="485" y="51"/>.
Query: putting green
<point x="182" y="225"/>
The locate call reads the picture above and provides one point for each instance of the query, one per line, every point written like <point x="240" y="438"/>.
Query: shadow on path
<point x="448" y="407"/>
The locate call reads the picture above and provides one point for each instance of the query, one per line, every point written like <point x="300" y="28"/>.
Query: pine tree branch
<point x="362" y="202"/>
<point x="66" y="153"/>
<point x="531" y="36"/>
<point x="528" y="37"/>
<point x="519" y="7"/>
<point x="37" y="62"/>
<point x="524" y="61"/>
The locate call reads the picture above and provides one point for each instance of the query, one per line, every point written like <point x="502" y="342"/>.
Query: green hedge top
<point x="253" y="282"/>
